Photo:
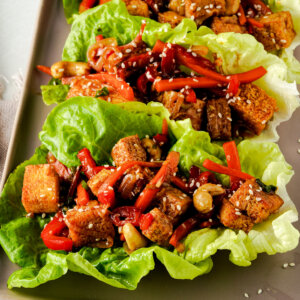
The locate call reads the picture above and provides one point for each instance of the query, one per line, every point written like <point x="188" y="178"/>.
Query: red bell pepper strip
<point x="206" y="177"/>
<point x="190" y="96"/>
<point x="179" y="83"/>
<point x="106" y="193"/>
<point x="183" y="230"/>
<point x="50" y="234"/>
<point x="130" y="213"/>
<point x="87" y="162"/>
<point x="99" y="37"/>
<point x="145" y="221"/>
<point x="44" y="69"/>
<point x="83" y="197"/>
<point x="168" y="60"/>
<point x="63" y="172"/>
<point x="160" y="139"/>
<point x="141" y="83"/>
<point x="215" y="167"/>
<point x="164" y="174"/>
<point x="183" y="185"/>
<point x="100" y="168"/>
<point x="85" y="5"/>
<point x="252" y="75"/>
<point x="241" y="15"/>
<point x="263" y="8"/>
<point x="117" y="83"/>
<point x="232" y="158"/>
<point x="255" y="23"/>
<point x="234" y="85"/>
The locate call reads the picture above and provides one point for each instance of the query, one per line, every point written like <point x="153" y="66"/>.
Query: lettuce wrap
<point x="238" y="53"/>
<point x="71" y="8"/>
<point x="84" y="121"/>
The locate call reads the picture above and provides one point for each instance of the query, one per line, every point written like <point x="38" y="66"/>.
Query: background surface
<point x="226" y="281"/>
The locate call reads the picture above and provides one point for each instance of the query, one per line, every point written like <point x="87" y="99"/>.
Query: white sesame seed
<point x="246" y="295"/>
<point x="292" y="264"/>
<point x="43" y="215"/>
<point x="220" y="115"/>
<point x="258" y="199"/>
<point x="298" y="151"/>
<point x="90" y="226"/>
<point x="259" y="291"/>
<point x="285" y="265"/>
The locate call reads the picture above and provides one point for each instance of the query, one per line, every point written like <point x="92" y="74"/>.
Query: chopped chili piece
<point x="99" y="37"/>
<point x="241" y="15"/>
<point x="50" y="234"/>
<point x="160" y="139"/>
<point x="131" y="214"/>
<point x="190" y="96"/>
<point x="206" y="177"/>
<point x="215" y="167"/>
<point x="87" y="162"/>
<point x="63" y="172"/>
<point x="255" y="23"/>
<point x="260" y="6"/>
<point x="164" y="129"/>
<point x="164" y="174"/>
<point x="183" y="185"/>
<point x="234" y="85"/>
<point x="44" y="69"/>
<point x="142" y="83"/>
<point x="145" y="221"/>
<point x="168" y="60"/>
<point x="252" y="75"/>
<point x="74" y="182"/>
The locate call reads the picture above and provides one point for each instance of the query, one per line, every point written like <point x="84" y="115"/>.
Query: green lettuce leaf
<point x="54" y="94"/>
<point x="71" y="8"/>
<point x="238" y="52"/>
<point x="93" y="123"/>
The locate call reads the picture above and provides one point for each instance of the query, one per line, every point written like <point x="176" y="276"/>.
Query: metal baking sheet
<point x="225" y="281"/>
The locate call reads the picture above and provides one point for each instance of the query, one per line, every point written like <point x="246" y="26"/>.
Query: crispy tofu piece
<point x="173" y="203"/>
<point x="200" y="10"/>
<point x="40" y="193"/>
<point x="254" y="107"/>
<point x="227" y="24"/>
<point x="171" y="17"/>
<point x="161" y="228"/>
<point x="258" y="204"/>
<point x="233" y="218"/>
<point x="90" y="225"/>
<point x="180" y="110"/>
<point x="278" y="31"/>
<point x="81" y="86"/>
<point x="96" y="181"/>
<point x="218" y="119"/>
<point x="232" y="7"/>
<point x="128" y="149"/>
<point x="134" y="182"/>
<point x="137" y="8"/>
<point x="177" y="6"/>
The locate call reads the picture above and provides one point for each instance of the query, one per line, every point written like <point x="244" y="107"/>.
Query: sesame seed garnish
<point x="292" y="264"/>
<point x="285" y="265"/>
<point x="298" y="151"/>
<point x="259" y="291"/>
<point x="43" y="215"/>
<point x="220" y="115"/>
<point x="246" y="295"/>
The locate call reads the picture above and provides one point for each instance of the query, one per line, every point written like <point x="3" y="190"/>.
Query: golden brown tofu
<point x="233" y="218"/>
<point x="40" y="193"/>
<point x="218" y="119"/>
<point x="134" y="182"/>
<point x="232" y="7"/>
<point x="161" y="228"/>
<point x="128" y="149"/>
<point x="180" y="110"/>
<point x="81" y="86"/>
<point x="258" y="204"/>
<point x="137" y="8"/>
<point x="177" y="6"/>
<point x="96" y="181"/>
<point x="200" y="10"/>
<point x="171" y="17"/>
<point x="90" y="225"/>
<point x="173" y="203"/>
<point x="254" y="107"/>
<point x="227" y="24"/>
<point x="278" y="31"/>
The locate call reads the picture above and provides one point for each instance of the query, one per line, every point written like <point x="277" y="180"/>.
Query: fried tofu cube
<point x="128" y="149"/>
<point x="227" y="24"/>
<point x="171" y="17"/>
<point x="137" y="8"/>
<point x="258" y="204"/>
<point x="200" y="10"/>
<point x="218" y="119"/>
<point x="96" y="181"/>
<point x="161" y="228"/>
<point x="278" y="31"/>
<point x="173" y="203"/>
<point x="233" y="218"/>
<point x="40" y="193"/>
<point x="177" y="6"/>
<point x="254" y="107"/>
<point x="90" y="225"/>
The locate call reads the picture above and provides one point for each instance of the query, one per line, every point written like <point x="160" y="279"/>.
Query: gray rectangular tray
<point x="225" y="281"/>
